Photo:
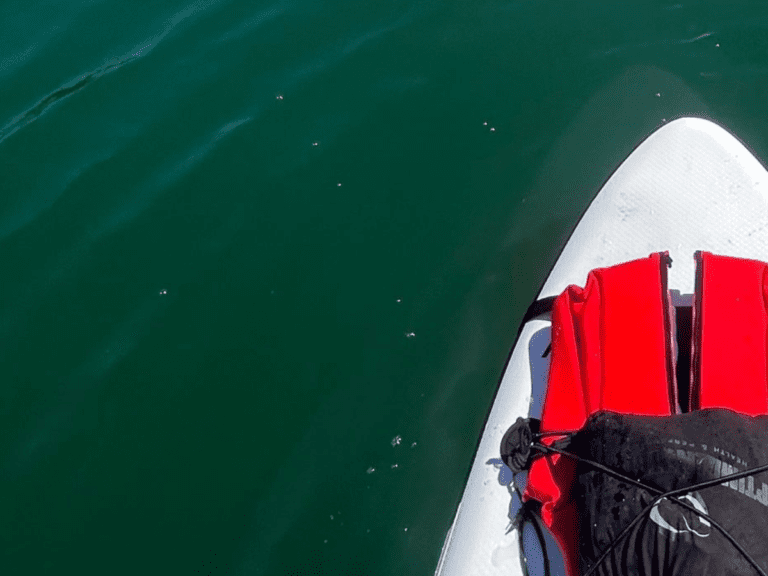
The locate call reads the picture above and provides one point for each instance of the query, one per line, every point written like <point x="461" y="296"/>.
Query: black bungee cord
<point x="517" y="450"/>
<point x="527" y="513"/>
<point x="660" y="496"/>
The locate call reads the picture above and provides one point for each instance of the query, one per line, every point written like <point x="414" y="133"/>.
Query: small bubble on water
<point x="331" y="516"/>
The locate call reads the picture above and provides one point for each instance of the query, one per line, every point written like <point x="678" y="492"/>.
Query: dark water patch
<point x="67" y="90"/>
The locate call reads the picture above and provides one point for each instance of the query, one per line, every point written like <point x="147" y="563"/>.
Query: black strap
<point x="537" y="308"/>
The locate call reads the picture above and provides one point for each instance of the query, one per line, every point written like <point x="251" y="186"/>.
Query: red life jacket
<point x="612" y="349"/>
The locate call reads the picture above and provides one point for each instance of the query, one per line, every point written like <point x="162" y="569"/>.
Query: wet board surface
<point x="689" y="186"/>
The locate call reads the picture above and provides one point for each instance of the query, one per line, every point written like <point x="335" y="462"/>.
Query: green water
<point x="246" y="248"/>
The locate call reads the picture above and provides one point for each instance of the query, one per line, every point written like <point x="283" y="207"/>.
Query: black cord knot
<point x="517" y="444"/>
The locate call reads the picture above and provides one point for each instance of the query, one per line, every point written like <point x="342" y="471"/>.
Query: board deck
<point x="689" y="186"/>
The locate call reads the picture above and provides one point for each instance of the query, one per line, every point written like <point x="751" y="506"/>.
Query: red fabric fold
<point x="729" y="335"/>
<point x="610" y="351"/>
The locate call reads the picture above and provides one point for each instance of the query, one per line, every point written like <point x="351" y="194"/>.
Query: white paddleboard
<point x="689" y="186"/>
